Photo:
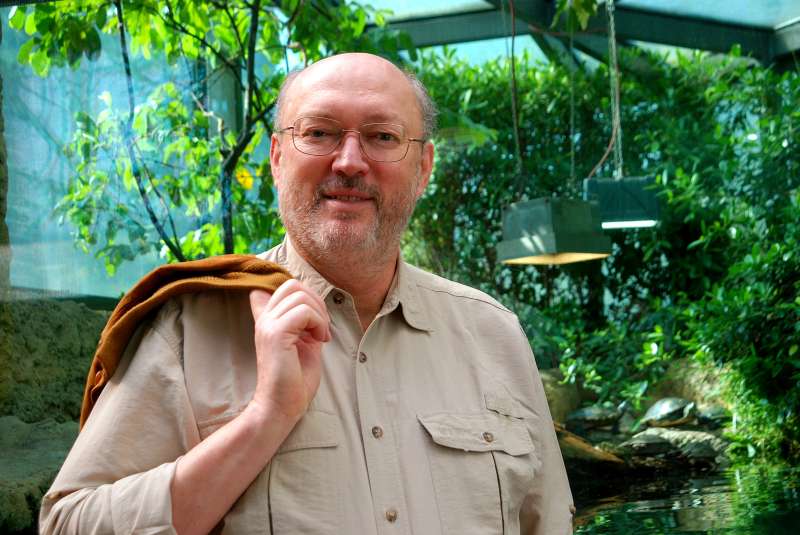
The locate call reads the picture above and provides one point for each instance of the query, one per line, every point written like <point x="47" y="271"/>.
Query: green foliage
<point x="716" y="279"/>
<point x="578" y="12"/>
<point x="155" y="178"/>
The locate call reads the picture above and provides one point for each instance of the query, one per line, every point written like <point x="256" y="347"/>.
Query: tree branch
<point x="129" y="145"/>
<point x="175" y="25"/>
<point x="245" y="135"/>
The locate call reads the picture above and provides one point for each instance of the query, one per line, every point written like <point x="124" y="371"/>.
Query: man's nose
<point x="348" y="158"/>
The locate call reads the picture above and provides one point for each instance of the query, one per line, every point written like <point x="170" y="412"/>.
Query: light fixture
<point x="627" y="202"/>
<point x="552" y="230"/>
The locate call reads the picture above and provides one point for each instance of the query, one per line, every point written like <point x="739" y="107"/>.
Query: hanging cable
<point x="615" y="115"/>
<point x="572" y="176"/>
<point x="514" y="105"/>
<point x="615" y="143"/>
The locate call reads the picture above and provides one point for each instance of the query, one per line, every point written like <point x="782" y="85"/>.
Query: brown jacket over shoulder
<point x="227" y="272"/>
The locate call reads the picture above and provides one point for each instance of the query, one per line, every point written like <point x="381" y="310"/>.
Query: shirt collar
<point x="403" y="292"/>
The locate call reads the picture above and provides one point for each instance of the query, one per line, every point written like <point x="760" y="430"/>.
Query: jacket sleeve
<point x="117" y="477"/>
<point x="548" y="508"/>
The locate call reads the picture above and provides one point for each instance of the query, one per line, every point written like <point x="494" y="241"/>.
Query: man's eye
<point x="384" y="137"/>
<point x="318" y="133"/>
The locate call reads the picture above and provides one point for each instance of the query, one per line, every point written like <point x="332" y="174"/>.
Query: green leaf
<point x="30" y="23"/>
<point x="40" y="62"/>
<point x="101" y="17"/>
<point x="23" y="56"/>
<point x="16" y="17"/>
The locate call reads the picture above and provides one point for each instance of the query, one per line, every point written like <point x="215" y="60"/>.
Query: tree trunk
<point x="5" y="245"/>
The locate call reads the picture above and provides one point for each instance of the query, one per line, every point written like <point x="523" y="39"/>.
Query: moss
<point x="45" y="360"/>
<point x="30" y="456"/>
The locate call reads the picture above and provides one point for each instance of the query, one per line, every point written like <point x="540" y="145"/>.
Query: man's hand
<point x="290" y="328"/>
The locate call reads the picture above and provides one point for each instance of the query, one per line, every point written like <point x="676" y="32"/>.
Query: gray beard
<point x="323" y="243"/>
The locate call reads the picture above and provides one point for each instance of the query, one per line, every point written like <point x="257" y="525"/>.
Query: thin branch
<point x="246" y="133"/>
<point x="175" y="25"/>
<point x="129" y="145"/>
<point x="295" y="12"/>
<point x="162" y="201"/>
<point x="226" y="8"/>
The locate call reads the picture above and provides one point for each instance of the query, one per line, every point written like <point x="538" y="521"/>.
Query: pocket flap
<point x="316" y="429"/>
<point x="478" y="432"/>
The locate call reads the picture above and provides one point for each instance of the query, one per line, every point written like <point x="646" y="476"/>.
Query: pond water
<point x="753" y="499"/>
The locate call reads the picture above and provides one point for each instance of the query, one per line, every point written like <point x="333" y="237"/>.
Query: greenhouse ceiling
<point x="767" y="30"/>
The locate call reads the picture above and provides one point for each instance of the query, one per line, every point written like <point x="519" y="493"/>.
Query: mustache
<point x="348" y="182"/>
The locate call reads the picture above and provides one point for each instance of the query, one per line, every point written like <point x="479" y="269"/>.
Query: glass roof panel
<point x="764" y="14"/>
<point x="477" y="52"/>
<point x="407" y="9"/>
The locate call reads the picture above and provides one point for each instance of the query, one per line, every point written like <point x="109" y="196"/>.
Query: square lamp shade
<point x="552" y="231"/>
<point x="628" y="202"/>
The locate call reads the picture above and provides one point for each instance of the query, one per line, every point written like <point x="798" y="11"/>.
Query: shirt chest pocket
<point x="481" y="465"/>
<point x="297" y="491"/>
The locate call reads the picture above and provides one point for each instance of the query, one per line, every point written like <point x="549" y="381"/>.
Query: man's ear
<point x="425" y="167"/>
<point x="275" y="154"/>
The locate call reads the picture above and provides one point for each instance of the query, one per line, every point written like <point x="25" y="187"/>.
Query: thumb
<point x="258" y="301"/>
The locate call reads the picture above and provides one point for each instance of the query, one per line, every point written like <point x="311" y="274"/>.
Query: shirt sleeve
<point x="548" y="508"/>
<point x="117" y="477"/>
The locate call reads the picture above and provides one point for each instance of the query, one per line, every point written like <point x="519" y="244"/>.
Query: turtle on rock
<point x="669" y="412"/>
<point x="596" y="416"/>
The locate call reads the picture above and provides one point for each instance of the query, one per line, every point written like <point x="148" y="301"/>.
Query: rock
<point x="698" y="447"/>
<point x="30" y="456"/>
<point x="562" y="398"/>
<point x="647" y="445"/>
<point x="662" y="448"/>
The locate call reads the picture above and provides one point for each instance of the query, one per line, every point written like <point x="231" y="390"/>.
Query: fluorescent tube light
<point x="644" y="223"/>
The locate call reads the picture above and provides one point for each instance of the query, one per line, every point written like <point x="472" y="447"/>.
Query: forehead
<point x="354" y="89"/>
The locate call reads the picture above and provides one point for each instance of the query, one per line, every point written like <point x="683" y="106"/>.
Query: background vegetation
<point x="716" y="282"/>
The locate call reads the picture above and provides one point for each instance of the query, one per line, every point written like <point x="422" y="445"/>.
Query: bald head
<point x="364" y="73"/>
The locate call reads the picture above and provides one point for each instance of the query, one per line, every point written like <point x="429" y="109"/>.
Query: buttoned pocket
<point x="304" y="478"/>
<point x="481" y="465"/>
<point x="296" y="491"/>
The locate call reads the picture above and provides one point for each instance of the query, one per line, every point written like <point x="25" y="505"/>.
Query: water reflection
<point x="755" y="499"/>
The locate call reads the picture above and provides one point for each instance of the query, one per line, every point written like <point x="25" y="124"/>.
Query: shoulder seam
<point x="489" y="302"/>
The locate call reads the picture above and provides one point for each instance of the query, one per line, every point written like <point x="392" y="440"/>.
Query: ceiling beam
<point x="632" y="24"/>
<point x="459" y="27"/>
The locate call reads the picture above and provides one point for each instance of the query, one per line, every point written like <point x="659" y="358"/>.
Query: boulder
<point x="665" y="448"/>
<point x="562" y="398"/>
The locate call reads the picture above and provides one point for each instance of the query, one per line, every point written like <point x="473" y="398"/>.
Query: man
<point x="366" y="396"/>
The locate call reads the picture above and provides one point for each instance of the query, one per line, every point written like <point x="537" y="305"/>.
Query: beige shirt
<point x="433" y="421"/>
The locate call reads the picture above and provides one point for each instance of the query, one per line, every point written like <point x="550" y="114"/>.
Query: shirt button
<point x="362" y="357"/>
<point x="391" y="515"/>
<point x="338" y="298"/>
<point x="377" y="432"/>
<point x="488" y="437"/>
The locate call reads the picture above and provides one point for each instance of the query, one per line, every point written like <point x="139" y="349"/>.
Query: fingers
<point x="292" y="286"/>
<point x="303" y="320"/>
<point x="258" y="302"/>
<point x="298" y="309"/>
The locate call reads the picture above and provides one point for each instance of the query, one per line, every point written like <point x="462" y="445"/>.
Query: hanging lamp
<point x="623" y="202"/>
<point x="550" y="230"/>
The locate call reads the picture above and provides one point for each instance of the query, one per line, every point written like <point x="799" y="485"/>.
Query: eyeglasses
<point x="381" y="142"/>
